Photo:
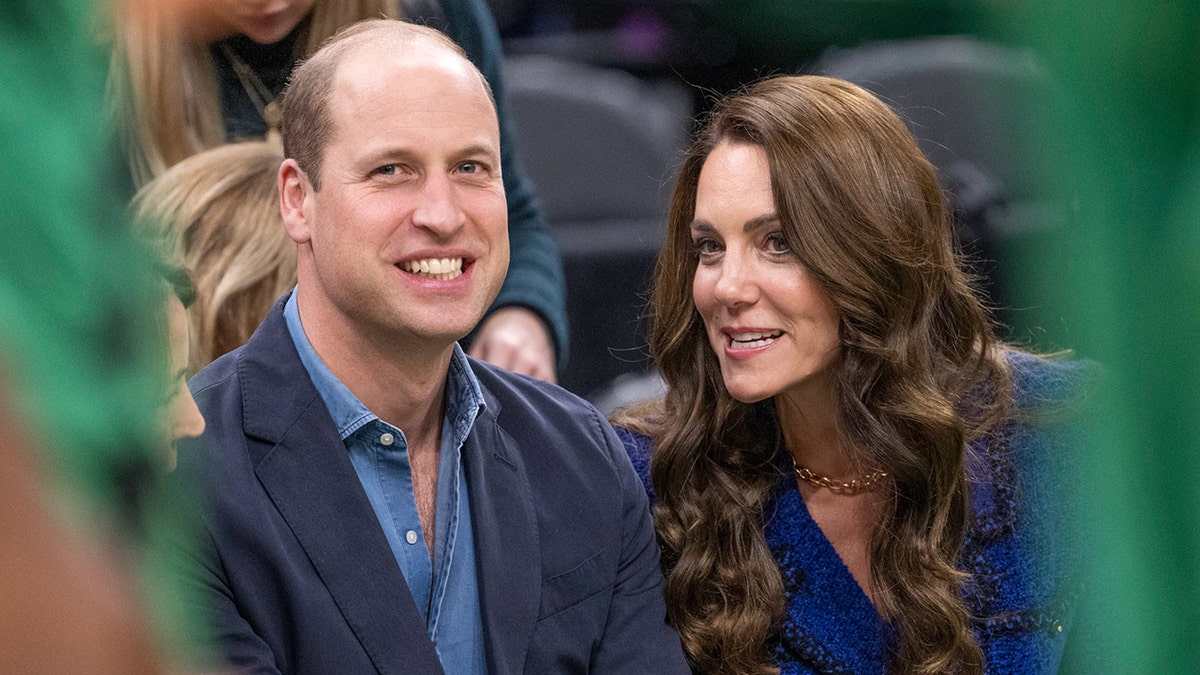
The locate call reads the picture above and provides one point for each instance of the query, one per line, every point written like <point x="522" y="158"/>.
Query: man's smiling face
<point x="408" y="234"/>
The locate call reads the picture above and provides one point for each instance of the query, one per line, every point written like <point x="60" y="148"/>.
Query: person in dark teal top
<point x="851" y="474"/>
<point x="212" y="75"/>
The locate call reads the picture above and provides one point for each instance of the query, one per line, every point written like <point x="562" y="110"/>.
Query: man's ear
<point x="295" y="201"/>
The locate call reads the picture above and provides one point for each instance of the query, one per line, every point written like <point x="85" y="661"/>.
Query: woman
<point x="193" y="75"/>
<point x="219" y="213"/>
<point x="848" y="470"/>
<point x="181" y="416"/>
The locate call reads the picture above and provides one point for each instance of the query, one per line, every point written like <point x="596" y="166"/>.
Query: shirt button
<point x="388" y="439"/>
<point x="411" y="536"/>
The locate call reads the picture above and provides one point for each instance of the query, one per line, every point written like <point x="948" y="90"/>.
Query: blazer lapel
<point x="302" y="463"/>
<point x="508" y="561"/>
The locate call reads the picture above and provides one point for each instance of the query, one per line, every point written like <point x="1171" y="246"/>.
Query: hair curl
<point x="217" y="214"/>
<point x="920" y="374"/>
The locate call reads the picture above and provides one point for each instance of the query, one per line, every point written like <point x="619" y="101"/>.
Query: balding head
<point x="307" y="121"/>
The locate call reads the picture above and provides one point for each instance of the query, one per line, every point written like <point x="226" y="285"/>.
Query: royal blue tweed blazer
<point x="1024" y="585"/>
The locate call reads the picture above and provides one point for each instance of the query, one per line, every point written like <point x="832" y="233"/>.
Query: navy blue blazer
<point x="299" y="576"/>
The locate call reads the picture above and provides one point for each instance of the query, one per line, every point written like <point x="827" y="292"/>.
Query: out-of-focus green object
<point x="1131" y="147"/>
<point x="790" y="33"/>
<point x="81" y="334"/>
<point x="82" y="311"/>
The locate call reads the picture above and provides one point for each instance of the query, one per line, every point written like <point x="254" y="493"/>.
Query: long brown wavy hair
<point x="920" y="375"/>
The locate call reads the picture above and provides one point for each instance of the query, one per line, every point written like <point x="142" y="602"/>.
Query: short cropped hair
<point x="307" y="124"/>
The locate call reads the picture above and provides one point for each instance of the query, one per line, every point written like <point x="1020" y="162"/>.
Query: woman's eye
<point x="705" y="247"/>
<point x="776" y="243"/>
<point x="176" y="384"/>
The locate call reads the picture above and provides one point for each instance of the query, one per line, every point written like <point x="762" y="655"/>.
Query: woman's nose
<point x="737" y="284"/>
<point x="186" y="422"/>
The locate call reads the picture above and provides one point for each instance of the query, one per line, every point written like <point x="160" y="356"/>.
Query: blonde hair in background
<point x="163" y="85"/>
<point x="220" y="211"/>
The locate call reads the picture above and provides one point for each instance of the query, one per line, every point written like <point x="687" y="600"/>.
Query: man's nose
<point x="437" y="208"/>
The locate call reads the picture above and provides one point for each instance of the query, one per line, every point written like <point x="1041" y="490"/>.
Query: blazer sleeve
<point x="535" y="274"/>
<point x="200" y="567"/>
<point x="637" y="638"/>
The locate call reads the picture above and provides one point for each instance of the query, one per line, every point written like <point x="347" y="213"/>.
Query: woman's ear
<point x="295" y="201"/>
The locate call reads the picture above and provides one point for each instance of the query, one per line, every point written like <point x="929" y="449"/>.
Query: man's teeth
<point x="752" y="340"/>
<point x="442" y="269"/>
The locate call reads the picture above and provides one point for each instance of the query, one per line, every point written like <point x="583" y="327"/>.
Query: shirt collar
<point x="464" y="395"/>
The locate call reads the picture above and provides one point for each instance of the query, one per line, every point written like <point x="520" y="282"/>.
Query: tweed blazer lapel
<point x="301" y="462"/>
<point x="506" y="541"/>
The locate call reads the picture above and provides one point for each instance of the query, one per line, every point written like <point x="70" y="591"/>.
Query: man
<point x="381" y="502"/>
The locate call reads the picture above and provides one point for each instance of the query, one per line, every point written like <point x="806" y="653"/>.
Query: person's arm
<point x="637" y="638"/>
<point x="69" y="605"/>
<point x="526" y="328"/>
<point x="234" y="638"/>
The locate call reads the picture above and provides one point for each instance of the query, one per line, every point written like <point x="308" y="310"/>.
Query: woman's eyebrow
<point x="701" y="226"/>
<point x="758" y="223"/>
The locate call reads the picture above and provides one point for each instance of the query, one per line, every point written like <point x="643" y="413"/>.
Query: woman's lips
<point x="752" y="339"/>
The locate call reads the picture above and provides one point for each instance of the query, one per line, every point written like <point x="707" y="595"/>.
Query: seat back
<point x="600" y="146"/>
<point x="980" y="112"/>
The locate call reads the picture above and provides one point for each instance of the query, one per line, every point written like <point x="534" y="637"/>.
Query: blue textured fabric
<point x="444" y="588"/>
<point x="1023" y="589"/>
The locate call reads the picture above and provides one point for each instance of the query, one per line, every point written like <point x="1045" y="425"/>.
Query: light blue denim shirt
<point x="445" y="588"/>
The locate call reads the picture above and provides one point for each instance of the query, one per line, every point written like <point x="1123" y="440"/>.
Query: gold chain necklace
<point x="863" y="484"/>
<point x="258" y="92"/>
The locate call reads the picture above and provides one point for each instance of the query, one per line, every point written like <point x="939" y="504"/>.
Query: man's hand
<point x="515" y="338"/>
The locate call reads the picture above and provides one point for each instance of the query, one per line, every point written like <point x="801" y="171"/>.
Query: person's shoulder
<point x="554" y="432"/>
<point x="217" y="392"/>
<point x="634" y="425"/>
<point x="1054" y="384"/>
<point x="520" y="395"/>
<point x="638" y="447"/>
<point x="637" y="444"/>
<point x="1031" y="464"/>
<point x="219" y="372"/>
<point x="269" y="355"/>
<point x="1024" y="482"/>
<point x="553" y="425"/>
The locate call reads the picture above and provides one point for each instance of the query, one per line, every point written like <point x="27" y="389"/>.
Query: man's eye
<point x="386" y="170"/>
<point x="469" y="168"/>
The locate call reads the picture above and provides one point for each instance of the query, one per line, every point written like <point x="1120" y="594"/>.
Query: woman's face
<point x="772" y="327"/>
<point x="264" y="21"/>
<point x="183" y="417"/>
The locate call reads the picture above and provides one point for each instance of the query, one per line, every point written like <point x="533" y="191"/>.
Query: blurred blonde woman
<point x="220" y="211"/>
<point x="170" y="61"/>
<point x="191" y="75"/>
